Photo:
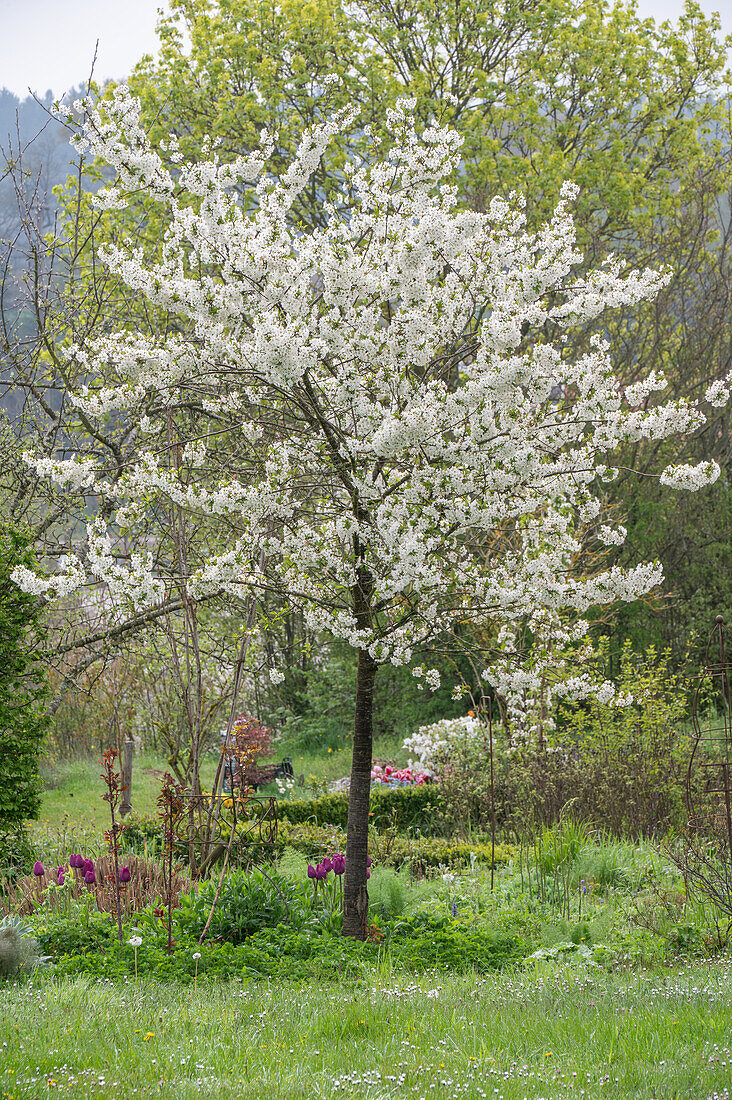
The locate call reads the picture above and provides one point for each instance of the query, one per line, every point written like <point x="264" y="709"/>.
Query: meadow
<point x="538" y="1034"/>
<point x="583" y="969"/>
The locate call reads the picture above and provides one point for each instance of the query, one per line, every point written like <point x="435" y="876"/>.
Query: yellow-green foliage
<point x="629" y="763"/>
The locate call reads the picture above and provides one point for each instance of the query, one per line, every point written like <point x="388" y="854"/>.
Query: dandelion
<point x="134" y="943"/>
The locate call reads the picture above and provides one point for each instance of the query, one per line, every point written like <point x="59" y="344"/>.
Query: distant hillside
<point x="35" y="157"/>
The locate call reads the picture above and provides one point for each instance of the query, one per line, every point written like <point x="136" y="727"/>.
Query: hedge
<point x="402" y="808"/>
<point x="316" y="841"/>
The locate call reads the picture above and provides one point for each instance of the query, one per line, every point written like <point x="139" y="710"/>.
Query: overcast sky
<point x="48" y="44"/>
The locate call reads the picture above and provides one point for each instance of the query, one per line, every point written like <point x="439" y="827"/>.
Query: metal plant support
<point x="236" y="817"/>
<point x="709" y="775"/>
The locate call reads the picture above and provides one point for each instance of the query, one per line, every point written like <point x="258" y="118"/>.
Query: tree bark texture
<point x="355" y="893"/>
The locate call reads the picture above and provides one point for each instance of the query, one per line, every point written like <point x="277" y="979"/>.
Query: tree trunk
<point x="355" y="893"/>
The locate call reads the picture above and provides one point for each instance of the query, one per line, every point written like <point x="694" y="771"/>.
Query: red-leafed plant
<point x="113" y="783"/>
<point x="250" y="740"/>
<point x="171" y="802"/>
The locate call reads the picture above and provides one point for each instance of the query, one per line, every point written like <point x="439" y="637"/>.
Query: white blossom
<point x="691" y="477"/>
<point x="387" y="415"/>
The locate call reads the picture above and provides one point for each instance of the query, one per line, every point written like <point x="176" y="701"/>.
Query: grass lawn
<point x="72" y="794"/>
<point x="73" y="790"/>
<point x="552" y="1034"/>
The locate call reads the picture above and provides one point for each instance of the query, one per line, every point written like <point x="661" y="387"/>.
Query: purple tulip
<point x="61" y="878"/>
<point x="339" y="864"/>
<point x="87" y="866"/>
<point x="368" y="861"/>
<point x="76" y="860"/>
<point x="124" y="875"/>
<point x="321" y="872"/>
<point x="60" y="872"/>
<point x="38" y="868"/>
<point x="368" y="873"/>
<point x="311" y="871"/>
<point x="89" y="877"/>
<point x="327" y="864"/>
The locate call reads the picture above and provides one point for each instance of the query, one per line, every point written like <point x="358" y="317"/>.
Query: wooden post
<point x="128" y="753"/>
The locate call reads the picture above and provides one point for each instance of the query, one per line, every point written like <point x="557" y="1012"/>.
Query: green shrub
<point x="308" y="953"/>
<point x="22" y="689"/>
<point x="80" y="932"/>
<point x="316" y="841"/>
<point x="403" y="808"/>
<point x="621" y="768"/>
<point x="431" y="852"/>
<point x="248" y="902"/>
<point x="281" y="952"/>
<point x="17" y="855"/>
<point x="424" y="943"/>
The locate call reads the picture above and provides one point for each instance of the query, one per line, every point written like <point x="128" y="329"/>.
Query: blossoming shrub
<point x="398" y="777"/>
<point x="456" y="751"/>
<point x="434" y="745"/>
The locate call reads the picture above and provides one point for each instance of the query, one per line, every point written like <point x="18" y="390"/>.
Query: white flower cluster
<point x="718" y="393"/>
<point x="389" y="416"/>
<point x="436" y="743"/>
<point x="71" y="473"/>
<point x="691" y="477"/>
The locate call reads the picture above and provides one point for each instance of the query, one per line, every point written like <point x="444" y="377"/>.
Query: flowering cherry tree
<point x="404" y="446"/>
